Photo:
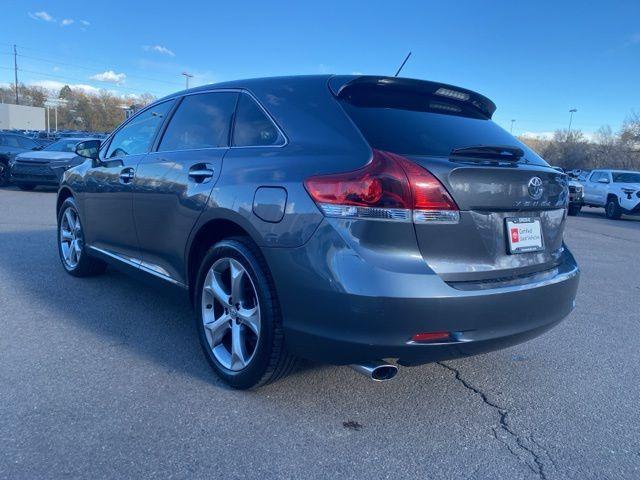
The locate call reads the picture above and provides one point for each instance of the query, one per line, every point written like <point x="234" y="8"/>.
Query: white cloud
<point x="539" y="135"/>
<point x="55" y="85"/>
<point x="42" y="16"/>
<point x="548" y="135"/>
<point x="110" y="76"/>
<point x="66" y="22"/>
<point x="159" y="49"/>
<point x="85" y="23"/>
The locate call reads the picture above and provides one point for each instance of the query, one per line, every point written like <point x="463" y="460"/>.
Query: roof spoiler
<point x="340" y="84"/>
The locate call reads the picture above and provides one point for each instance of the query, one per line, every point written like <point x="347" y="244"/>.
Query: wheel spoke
<point x="66" y="235"/>
<point x="251" y="318"/>
<point x="237" y="274"/>
<point x="69" y="218"/>
<point x="72" y="252"/>
<point x="238" y="349"/>
<point x="215" y="288"/>
<point x="217" y="328"/>
<point x="66" y="252"/>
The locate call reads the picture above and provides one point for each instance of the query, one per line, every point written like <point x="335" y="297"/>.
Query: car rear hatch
<point x="498" y="184"/>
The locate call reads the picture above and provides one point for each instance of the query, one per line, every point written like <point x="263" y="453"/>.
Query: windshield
<point x="420" y="132"/>
<point x="626" y="177"/>
<point x="62" y="146"/>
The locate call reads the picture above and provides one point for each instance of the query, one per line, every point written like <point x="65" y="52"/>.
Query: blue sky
<point x="535" y="59"/>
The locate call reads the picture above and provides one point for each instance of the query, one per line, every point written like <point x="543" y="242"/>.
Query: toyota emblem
<point x="535" y="188"/>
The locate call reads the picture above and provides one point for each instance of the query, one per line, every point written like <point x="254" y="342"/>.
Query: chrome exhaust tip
<point x="377" y="370"/>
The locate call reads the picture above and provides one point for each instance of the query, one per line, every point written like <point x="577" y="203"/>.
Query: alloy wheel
<point x="231" y="314"/>
<point x="71" y="240"/>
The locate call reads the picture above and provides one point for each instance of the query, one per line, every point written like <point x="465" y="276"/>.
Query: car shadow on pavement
<point x="124" y="312"/>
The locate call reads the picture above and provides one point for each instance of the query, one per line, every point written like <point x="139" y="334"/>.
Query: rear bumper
<point x="340" y="309"/>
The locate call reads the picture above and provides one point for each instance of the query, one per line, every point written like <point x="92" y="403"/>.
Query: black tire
<point x="4" y="173"/>
<point x="270" y="361"/>
<point x="27" y="187"/>
<point x="87" y="265"/>
<point x="612" y="208"/>
<point x="574" y="210"/>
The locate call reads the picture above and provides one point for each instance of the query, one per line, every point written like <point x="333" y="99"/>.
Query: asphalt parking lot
<point x="104" y="378"/>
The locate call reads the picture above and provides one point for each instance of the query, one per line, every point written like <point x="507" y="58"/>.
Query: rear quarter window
<point x="253" y="128"/>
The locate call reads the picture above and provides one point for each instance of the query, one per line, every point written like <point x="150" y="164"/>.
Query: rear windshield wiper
<point x="491" y="152"/>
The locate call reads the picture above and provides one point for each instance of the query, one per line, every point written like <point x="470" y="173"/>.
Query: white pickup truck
<point x="618" y="191"/>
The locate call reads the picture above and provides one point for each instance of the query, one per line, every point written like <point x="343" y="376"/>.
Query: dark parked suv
<point x="343" y="219"/>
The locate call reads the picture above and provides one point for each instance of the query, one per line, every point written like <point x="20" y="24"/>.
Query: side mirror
<point x="88" y="149"/>
<point x="603" y="180"/>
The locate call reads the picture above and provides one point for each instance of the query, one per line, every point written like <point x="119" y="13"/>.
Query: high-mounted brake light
<point x="389" y="187"/>
<point x="447" y="92"/>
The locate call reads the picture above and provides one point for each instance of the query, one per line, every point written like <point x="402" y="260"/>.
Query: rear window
<point x="626" y="177"/>
<point x="415" y="124"/>
<point x="62" y="146"/>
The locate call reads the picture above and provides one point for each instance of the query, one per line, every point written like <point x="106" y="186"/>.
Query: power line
<point x="55" y="62"/>
<point x="87" y="65"/>
<point x="66" y="79"/>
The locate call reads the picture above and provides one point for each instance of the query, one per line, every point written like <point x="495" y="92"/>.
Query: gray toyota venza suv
<point x="342" y="219"/>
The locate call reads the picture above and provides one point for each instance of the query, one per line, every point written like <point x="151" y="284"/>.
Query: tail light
<point x="389" y="187"/>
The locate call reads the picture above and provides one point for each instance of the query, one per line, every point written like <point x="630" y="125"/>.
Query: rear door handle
<point x="126" y="175"/>
<point x="201" y="173"/>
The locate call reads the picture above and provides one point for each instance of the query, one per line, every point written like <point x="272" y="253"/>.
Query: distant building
<point x="21" y="117"/>
<point x="132" y="110"/>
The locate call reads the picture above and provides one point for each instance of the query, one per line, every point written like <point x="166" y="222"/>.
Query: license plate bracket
<point x="524" y="235"/>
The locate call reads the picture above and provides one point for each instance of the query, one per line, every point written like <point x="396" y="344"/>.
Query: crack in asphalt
<point x="514" y="442"/>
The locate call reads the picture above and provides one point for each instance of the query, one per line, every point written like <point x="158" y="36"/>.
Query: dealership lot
<point x="104" y="378"/>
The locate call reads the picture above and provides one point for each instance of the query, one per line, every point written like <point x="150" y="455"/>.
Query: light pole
<point x="513" y="120"/>
<point x="571" y="112"/>
<point x="54" y="103"/>
<point x="187" y="76"/>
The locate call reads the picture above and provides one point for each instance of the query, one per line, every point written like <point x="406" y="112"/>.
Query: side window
<point x="11" y="141"/>
<point x="137" y="135"/>
<point x="26" y="143"/>
<point x="201" y="121"/>
<point x="252" y="126"/>
<point x="594" y="177"/>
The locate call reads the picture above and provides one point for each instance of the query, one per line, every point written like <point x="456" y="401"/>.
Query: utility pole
<point x="571" y="112"/>
<point x="15" y="71"/>
<point x="187" y="76"/>
<point x="513" y="120"/>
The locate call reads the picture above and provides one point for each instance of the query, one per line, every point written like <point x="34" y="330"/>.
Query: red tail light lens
<point x="431" y="337"/>
<point x="388" y="187"/>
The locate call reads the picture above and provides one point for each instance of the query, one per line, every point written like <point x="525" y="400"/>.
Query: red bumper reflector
<point x="430" y="337"/>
